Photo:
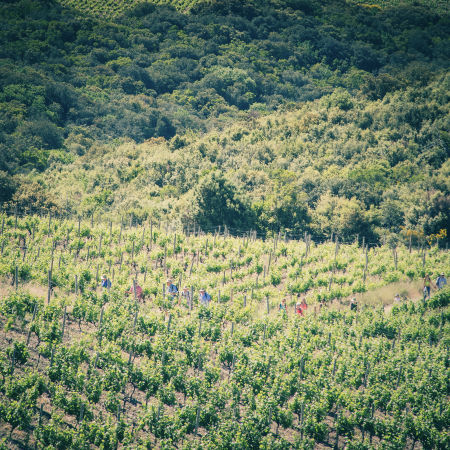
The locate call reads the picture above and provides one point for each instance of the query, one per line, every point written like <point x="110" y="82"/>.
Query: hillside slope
<point x="337" y="165"/>
<point x="84" y="367"/>
<point x="373" y="159"/>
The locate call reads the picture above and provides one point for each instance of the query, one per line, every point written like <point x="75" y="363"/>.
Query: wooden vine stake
<point x="64" y="322"/>
<point x="197" y="419"/>
<point x="41" y="411"/>
<point x="151" y="233"/>
<point x="399" y="376"/>
<point x="302" y="364"/>
<point x="49" y="288"/>
<point x="80" y="417"/>
<point x="31" y="323"/>
<point x="100" y="325"/>
<point x="366" y="374"/>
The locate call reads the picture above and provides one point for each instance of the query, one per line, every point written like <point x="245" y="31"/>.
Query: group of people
<point x="186" y="294"/>
<point x="203" y="297"/>
<point x="300" y="307"/>
<point x="440" y="282"/>
<point x="171" y="290"/>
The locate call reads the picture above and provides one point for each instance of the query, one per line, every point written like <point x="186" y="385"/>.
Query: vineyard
<point x="86" y="367"/>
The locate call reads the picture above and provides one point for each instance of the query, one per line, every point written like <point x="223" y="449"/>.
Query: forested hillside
<point x="325" y="117"/>
<point x="282" y="163"/>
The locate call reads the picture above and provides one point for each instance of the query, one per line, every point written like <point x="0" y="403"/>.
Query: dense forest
<point x="297" y="115"/>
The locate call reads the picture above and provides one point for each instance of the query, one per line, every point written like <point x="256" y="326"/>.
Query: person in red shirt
<point x="138" y="290"/>
<point x="298" y="309"/>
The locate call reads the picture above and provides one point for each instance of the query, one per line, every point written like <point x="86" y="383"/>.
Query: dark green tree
<point x="217" y="203"/>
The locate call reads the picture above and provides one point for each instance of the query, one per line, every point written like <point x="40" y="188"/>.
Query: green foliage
<point x="153" y="70"/>
<point x="275" y="279"/>
<point x="217" y="203"/>
<point x="18" y="353"/>
<point x="341" y="133"/>
<point x="441" y="299"/>
<point x="247" y="376"/>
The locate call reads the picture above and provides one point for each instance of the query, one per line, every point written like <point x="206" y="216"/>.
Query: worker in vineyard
<point x="282" y="307"/>
<point x="397" y="298"/>
<point x="426" y="287"/>
<point x="138" y="290"/>
<point x="441" y="281"/>
<point x="353" y="304"/>
<point x="204" y="298"/>
<point x="298" y="309"/>
<point x="105" y="283"/>
<point x="304" y="305"/>
<point x="172" y="290"/>
<point x="186" y="295"/>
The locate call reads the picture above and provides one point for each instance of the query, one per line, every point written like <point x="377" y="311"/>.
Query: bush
<point x="216" y="268"/>
<point x="441" y="299"/>
<point x="18" y="353"/>
<point x="275" y="279"/>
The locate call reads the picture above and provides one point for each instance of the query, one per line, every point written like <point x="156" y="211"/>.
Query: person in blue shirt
<point x="105" y="283"/>
<point x="172" y="290"/>
<point x="441" y="281"/>
<point x="204" y="298"/>
<point x="282" y="307"/>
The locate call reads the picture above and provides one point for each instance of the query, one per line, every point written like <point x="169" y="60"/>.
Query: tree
<point x="339" y="215"/>
<point x="218" y="203"/>
<point x="7" y="187"/>
<point x="286" y="207"/>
